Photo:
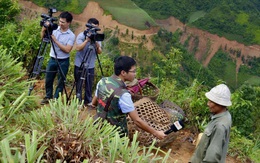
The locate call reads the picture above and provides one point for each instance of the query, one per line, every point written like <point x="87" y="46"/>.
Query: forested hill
<point x="199" y="43"/>
<point x="234" y="19"/>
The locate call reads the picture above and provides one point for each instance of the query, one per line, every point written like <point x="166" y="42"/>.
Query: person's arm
<point x="80" y="44"/>
<point x="143" y="125"/>
<point x="94" y="102"/>
<point x="44" y="29"/>
<point x="127" y="106"/>
<point x="215" y="148"/>
<point x="43" y="32"/>
<point x="65" y="48"/>
<point x="99" y="49"/>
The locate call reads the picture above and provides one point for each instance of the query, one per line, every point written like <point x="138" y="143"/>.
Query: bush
<point x="240" y="146"/>
<point x="12" y="80"/>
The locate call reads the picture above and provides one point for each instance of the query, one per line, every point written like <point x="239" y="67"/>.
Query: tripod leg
<point x="88" y="85"/>
<point x="81" y="80"/>
<point x="76" y="71"/>
<point x="63" y="67"/>
<point x="79" y="83"/>
<point x="99" y="63"/>
<point x="37" y="65"/>
<point x="80" y="74"/>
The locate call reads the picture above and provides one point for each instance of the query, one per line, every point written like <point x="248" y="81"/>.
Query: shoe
<point x="45" y="101"/>
<point x="89" y="104"/>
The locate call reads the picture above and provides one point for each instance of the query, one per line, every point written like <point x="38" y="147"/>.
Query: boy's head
<point x="125" y="67"/>
<point x="93" y="21"/>
<point x="66" y="15"/>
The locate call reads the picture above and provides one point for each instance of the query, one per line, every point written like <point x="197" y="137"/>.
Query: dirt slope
<point x="209" y="43"/>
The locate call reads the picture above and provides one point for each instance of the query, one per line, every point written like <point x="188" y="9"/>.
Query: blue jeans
<point x="51" y="71"/>
<point x="89" y="79"/>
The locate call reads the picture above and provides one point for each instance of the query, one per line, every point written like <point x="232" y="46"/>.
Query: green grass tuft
<point x="196" y="15"/>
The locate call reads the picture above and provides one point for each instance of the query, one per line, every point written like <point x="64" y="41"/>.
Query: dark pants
<point x="89" y="79"/>
<point x="51" y="71"/>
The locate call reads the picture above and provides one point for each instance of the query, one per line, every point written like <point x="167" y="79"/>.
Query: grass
<point x="225" y="68"/>
<point x="244" y="76"/>
<point x="58" y="131"/>
<point x="196" y="15"/>
<point x="253" y="80"/>
<point x="230" y="74"/>
<point x="127" y="13"/>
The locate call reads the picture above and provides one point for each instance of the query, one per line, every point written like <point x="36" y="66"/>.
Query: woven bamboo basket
<point x="174" y="112"/>
<point x="156" y="117"/>
<point x="148" y="90"/>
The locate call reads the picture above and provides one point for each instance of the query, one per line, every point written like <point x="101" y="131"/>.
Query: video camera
<point x="91" y="32"/>
<point x="48" y="18"/>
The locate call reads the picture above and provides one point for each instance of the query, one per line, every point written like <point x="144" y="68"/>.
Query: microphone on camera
<point x="176" y="126"/>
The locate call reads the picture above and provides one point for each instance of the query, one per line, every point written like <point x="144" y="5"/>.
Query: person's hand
<point x="99" y="50"/>
<point x="160" y="135"/>
<point x="54" y="38"/>
<point x="43" y="29"/>
<point x="97" y="45"/>
<point x="46" y="24"/>
<point x="87" y="39"/>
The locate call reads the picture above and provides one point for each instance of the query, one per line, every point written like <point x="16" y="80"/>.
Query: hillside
<point x="29" y="130"/>
<point x="182" y="148"/>
<point x="202" y="44"/>
<point x="208" y="43"/>
<point x="234" y="19"/>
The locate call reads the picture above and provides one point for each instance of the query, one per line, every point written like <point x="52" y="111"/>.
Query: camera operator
<point x="83" y="41"/>
<point x="63" y="39"/>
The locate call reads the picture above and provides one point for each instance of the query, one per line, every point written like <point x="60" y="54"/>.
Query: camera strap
<point x="116" y="91"/>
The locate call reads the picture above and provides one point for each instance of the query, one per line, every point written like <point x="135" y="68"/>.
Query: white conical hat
<point x="220" y="94"/>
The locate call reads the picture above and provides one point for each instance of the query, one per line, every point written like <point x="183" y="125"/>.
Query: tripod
<point x="83" y="73"/>
<point x="34" y="74"/>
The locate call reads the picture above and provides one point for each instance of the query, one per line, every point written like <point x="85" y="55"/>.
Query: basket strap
<point x="117" y="90"/>
<point x="140" y="89"/>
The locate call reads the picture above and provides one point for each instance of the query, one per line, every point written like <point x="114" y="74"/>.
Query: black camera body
<point x="51" y="21"/>
<point x="91" y="32"/>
